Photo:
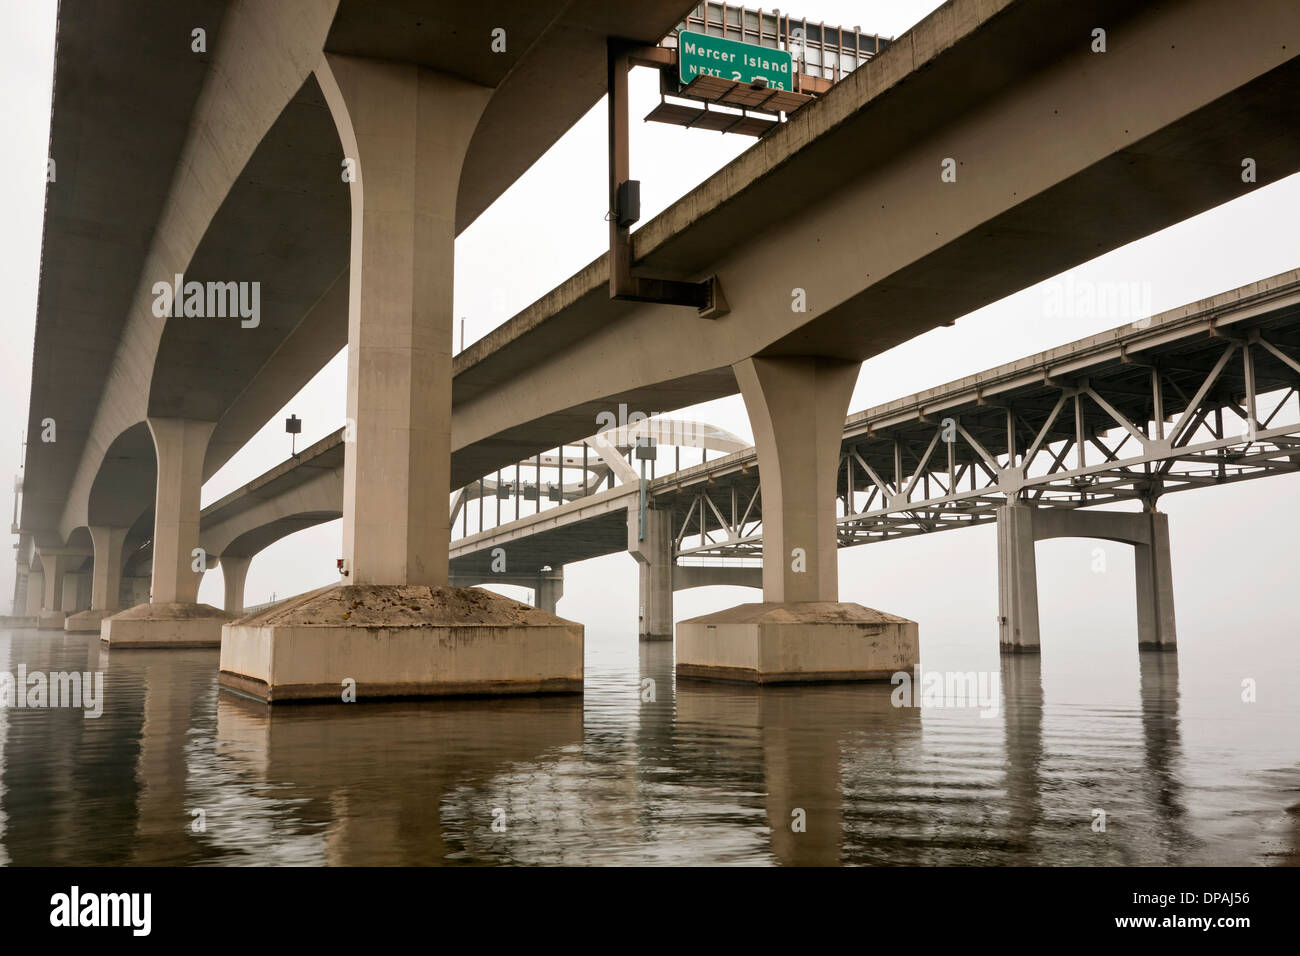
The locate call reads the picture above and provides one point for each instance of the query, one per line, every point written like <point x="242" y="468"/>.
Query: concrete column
<point x="797" y="407"/>
<point x="653" y="552"/>
<point x="1155" y="587"/>
<point x="407" y="129"/>
<point x="801" y="631"/>
<point x="1017" y="580"/>
<point x="106" y="582"/>
<point x="180" y="444"/>
<point x="76" y="592"/>
<point x="54" y="565"/>
<point x="19" y="605"/>
<point x="137" y="589"/>
<point x="234" y="571"/>
<point x="173" y="617"/>
<point x="35" y="592"/>
<point x="549" y="589"/>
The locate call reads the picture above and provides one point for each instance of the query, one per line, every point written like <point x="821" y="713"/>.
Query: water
<point x="705" y="773"/>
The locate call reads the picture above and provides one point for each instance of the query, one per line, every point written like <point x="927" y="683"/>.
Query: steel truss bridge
<point x="1205" y="394"/>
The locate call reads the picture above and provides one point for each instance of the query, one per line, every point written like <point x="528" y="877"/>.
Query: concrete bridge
<point x="1204" y="394"/>
<point x="1100" y="421"/>
<point x="918" y="188"/>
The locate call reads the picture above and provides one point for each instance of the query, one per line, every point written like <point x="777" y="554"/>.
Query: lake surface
<point x="176" y="772"/>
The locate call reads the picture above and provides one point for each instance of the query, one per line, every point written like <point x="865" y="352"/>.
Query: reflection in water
<point x="645" y="769"/>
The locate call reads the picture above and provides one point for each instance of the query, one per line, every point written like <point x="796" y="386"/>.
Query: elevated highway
<point x="1061" y="154"/>
<point x="217" y="159"/>
<point x="993" y="145"/>
<point x="1201" y="395"/>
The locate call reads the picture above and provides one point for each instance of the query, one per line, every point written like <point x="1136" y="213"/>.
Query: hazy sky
<point x="1233" y="546"/>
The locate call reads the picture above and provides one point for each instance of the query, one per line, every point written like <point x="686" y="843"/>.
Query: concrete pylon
<point x="19" y="606"/>
<point x="173" y="618"/>
<point x="796" y="407"/>
<point x="106" y="579"/>
<point x="406" y="130"/>
<point x="76" y="593"/>
<point x="652" y="547"/>
<point x="1021" y="525"/>
<point x="549" y="589"/>
<point x="1153" y="571"/>
<point x="234" y="572"/>
<point x="1017" y="580"/>
<point x="35" y="593"/>
<point x="54" y="565"/>
<point x="801" y="632"/>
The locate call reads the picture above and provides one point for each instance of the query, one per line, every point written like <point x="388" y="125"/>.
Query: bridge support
<point x="55" y="563"/>
<point x="106" y="579"/>
<point x="801" y="631"/>
<point x="35" y="593"/>
<point x="234" y="572"/>
<point x="76" y="593"/>
<point x="1017" y="580"/>
<point x="395" y="627"/>
<point x="549" y="589"/>
<point x="173" y="618"/>
<point x="652" y="547"/>
<point x="1020" y="526"/>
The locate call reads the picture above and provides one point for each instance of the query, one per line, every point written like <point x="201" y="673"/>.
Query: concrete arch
<point x="263" y="55"/>
<point x="240" y="552"/>
<point x="242" y="524"/>
<point x="124" y="486"/>
<point x="79" y="540"/>
<point x="275" y="247"/>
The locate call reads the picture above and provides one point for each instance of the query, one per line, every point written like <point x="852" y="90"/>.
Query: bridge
<point x="1201" y="395"/>
<point x="898" y="200"/>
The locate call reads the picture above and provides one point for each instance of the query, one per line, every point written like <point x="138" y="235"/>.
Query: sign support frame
<point x="705" y="297"/>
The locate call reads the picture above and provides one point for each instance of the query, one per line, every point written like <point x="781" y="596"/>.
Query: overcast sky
<point x="1233" y="546"/>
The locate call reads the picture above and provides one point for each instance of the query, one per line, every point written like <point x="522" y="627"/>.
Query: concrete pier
<point x="1020" y="526"/>
<point x="173" y="616"/>
<point x="234" y="573"/>
<point x="395" y="626"/>
<point x="801" y="632"/>
<point x="548" y="590"/>
<point x="54" y="566"/>
<point x="106" y="579"/>
<point x="652" y="547"/>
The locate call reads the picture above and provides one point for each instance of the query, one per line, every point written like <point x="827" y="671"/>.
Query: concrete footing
<point x="796" y="642"/>
<point x="165" y="625"/>
<point x="386" y="641"/>
<point x="85" y="620"/>
<point x="51" y="620"/>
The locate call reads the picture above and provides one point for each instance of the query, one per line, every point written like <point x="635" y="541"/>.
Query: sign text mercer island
<point x="701" y="55"/>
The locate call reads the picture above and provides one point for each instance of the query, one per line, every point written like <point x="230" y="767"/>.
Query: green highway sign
<point x="701" y="55"/>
